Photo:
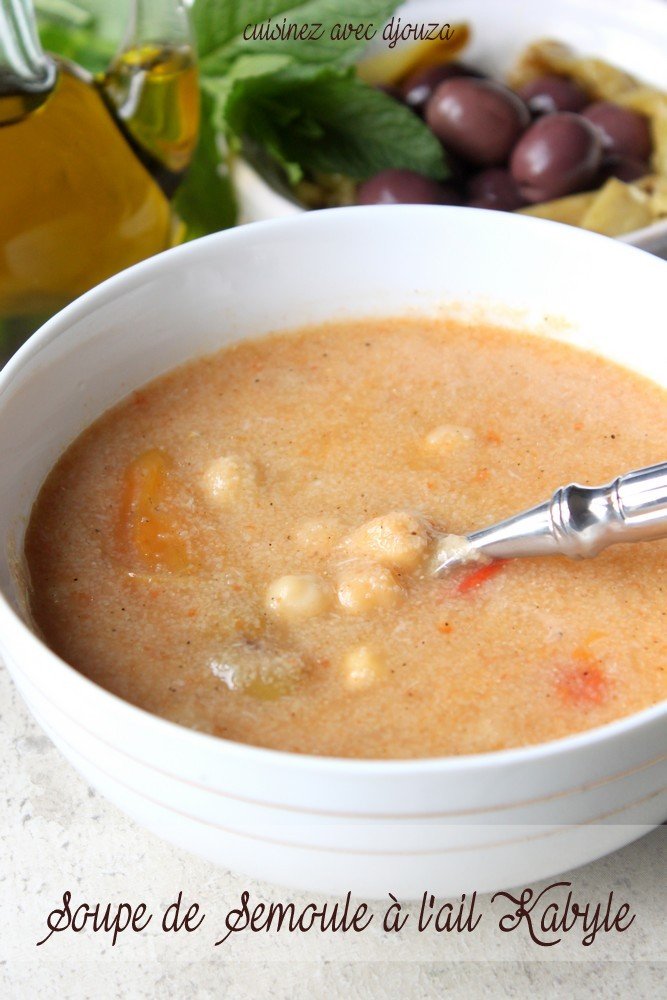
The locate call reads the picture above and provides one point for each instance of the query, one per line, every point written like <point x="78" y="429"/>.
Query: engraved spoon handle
<point x="580" y="521"/>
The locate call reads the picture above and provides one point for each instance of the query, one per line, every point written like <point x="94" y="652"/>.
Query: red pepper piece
<point x="479" y="576"/>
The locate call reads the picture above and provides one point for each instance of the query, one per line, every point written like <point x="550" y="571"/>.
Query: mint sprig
<point x="328" y="121"/>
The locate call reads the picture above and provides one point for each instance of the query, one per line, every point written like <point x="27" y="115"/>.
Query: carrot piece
<point x="583" y="683"/>
<point x="479" y="576"/>
<point x="147" y="524"/>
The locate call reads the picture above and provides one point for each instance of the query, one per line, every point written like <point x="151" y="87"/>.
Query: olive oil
<point x="154" y="93"/>
<point x="88" y="165"/>
<point x="76" y="203"/>
<point x="17" y="102"/>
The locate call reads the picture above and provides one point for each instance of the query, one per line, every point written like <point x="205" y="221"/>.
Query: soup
<point x="244" y="545"/>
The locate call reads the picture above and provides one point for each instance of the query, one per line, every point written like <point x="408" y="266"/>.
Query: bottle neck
<point x="152" y="88"/>
<point x="156" y="22"/>
<point x="23" y="65"/>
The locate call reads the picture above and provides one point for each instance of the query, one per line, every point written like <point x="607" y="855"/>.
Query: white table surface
<point x="57" y="834"/>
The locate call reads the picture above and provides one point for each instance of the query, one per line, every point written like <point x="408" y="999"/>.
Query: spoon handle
<point x="580" y="521"/>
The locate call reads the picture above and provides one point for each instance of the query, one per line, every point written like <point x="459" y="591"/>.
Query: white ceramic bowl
<point x="448" y="825"/>
<point x="631" y="34"/>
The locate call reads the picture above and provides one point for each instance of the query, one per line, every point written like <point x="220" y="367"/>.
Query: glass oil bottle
<point x="88" y="165"/>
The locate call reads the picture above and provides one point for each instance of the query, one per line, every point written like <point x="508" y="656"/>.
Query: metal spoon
<point x="578" y="521"/>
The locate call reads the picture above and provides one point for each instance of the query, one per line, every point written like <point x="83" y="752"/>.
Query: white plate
<point x="630" y="34"/>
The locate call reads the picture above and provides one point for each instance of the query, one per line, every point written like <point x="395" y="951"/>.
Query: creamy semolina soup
<point x="244" y="546"/>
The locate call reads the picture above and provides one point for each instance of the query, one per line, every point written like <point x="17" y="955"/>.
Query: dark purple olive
<point x="546" y="94"/>
<point x="494" y="188"/>
<point x="626" y="168"/>
<point x="459" y="170"/>
<point x="623" y="132"/>
<point x="479" y="120"/>
<point x="391" y="91"/>
<point x="405" y="187"/>
<point x="419" y="86"/>
<point x="450" y="195"/>
<point x="557" y="155"/>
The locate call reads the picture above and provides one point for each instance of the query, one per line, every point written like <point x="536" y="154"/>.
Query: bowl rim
<point x="11" y="622"/>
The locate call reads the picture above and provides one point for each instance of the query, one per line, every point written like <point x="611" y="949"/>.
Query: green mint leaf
<point x="205" y="200"/>
<point x="66" y="11"/>
<point x="220" y="25"/>
<point x="81" y="45"/>
<point x="86" y="31"/>
<point x="220" y="87"/>
<point x="111" y="19"/>
<point x="108" y="19"/>
<point x="220" y="22"/>
<point x="329" y="121"/>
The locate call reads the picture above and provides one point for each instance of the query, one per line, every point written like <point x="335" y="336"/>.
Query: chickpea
<point x="365" y="587"/>
<point x="447" y="438"/>
<point x="227" y="478"/>
<point x="316" y="536"/>
<point x="298" y="596"/>
<point x="398" y="540"/>
<point x="362" y="668"/>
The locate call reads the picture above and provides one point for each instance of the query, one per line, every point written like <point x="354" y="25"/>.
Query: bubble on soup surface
<point x="362" y="668"/>
<point x="227" y="478"/>
<point x="448" y="437"/>
<point x="398" y="540"/>
<point x="366" y="587"/>
<point x="298" y="596"/>
<point x="258" y="668"/>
